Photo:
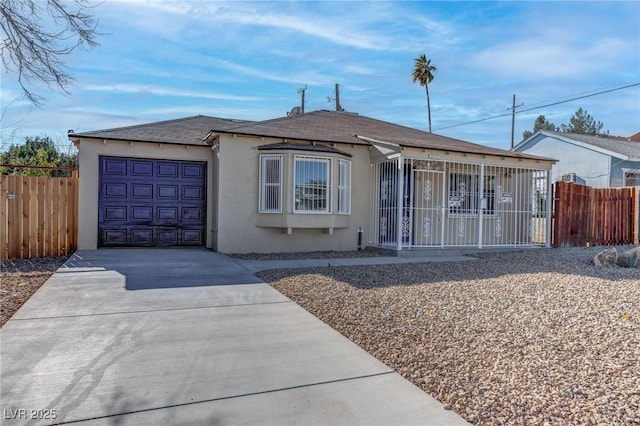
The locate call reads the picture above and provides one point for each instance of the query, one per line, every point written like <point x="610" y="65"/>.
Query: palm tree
<point x="423" y="72"/>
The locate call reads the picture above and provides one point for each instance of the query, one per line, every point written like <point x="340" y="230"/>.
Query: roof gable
<point x="615" y="147"/>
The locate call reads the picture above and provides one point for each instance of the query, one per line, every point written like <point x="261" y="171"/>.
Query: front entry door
<point x="428" y="208"/>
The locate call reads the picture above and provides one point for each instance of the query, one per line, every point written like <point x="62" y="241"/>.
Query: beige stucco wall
<point x="89" y="151"/>
<point x="241" y="229"/>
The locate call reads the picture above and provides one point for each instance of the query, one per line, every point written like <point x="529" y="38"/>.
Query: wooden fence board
<point x="593" y="216"/>
<point x="38" y="216"/>
<point x="41" y="219"/>
<point x="4" y="191"/>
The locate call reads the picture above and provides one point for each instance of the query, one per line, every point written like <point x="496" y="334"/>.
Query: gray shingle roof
<point x="183" y="131"/>
<point x="316" y="126"/>
<point x="625" y="149"/>
<point x="340" y="127"/>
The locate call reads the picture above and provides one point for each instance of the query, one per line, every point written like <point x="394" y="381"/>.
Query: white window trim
<point x="344" y="186"/>
<point x="329" y="191"/>
<point x="263" y="185"/>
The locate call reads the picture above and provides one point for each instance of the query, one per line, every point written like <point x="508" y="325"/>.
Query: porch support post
<point x="399" y="202"/>
<point x="550" y="202"/>
<point x="482" y="203"/>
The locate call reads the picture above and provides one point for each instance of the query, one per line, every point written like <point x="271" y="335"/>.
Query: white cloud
<point x="161" y="91"/>
<point x="555" y="54"/>
<point x="285" y="76"/>
<point x="352" y="25"/>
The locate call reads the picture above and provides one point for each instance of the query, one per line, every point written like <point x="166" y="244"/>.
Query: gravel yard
<point x="531" y="337"/>
<point x="19" y="279"/>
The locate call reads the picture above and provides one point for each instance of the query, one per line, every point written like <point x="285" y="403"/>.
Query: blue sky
<point x="164" y="60"/>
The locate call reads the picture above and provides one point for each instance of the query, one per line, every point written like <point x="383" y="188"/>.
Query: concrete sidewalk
<point x="188" y="336"/>
<point x="254" y="266"/>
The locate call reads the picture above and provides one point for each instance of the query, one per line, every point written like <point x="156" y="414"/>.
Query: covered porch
<point x="439" y="202"/>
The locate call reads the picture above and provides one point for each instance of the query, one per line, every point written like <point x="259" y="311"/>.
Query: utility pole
<point x="337" y="98"/>
<point x="302" y="91"/>
<point x="338" y="106"/>
<point x="513" y="118"/>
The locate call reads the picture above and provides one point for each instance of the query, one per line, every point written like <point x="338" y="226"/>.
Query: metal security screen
<point x="344" y="187"/>
<point x="270" y="184"/>
<point x="450" y="204"/>
<point x="384" y="217"/>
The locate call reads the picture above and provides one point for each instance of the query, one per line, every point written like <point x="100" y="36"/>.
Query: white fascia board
<point x="520" y="146"/>
<point x="376" y="141"/>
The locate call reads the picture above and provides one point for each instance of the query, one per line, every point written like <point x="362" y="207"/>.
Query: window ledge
<point x="307" y="220"/>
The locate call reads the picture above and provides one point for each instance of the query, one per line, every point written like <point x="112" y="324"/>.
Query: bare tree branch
<point x="37" y="34"/>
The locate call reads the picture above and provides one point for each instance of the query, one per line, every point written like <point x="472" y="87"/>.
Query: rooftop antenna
<point x="337" y="98"/>
<point x="302" y="91"/>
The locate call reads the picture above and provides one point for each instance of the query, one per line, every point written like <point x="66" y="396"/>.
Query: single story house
<point x="322" y="180"/>
<point x="599" y="162"/>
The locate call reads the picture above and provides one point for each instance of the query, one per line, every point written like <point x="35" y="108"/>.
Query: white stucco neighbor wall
<point x="89" y="151"/>
<point x="592" y="168"/>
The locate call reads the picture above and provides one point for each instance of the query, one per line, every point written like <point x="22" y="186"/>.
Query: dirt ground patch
<point x="19" y="279"/>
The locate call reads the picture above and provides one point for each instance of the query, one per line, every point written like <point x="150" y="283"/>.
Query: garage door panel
<point x="141" y="237"/>
<point x="141" y="191"/>
<point x="142" y="168"/>
<point x="167" y="237"/>
<point x="114" y="237"/>
<point x="115" y="213"/>
<point x="192" y="214"/>
<point x="167" y="192"/>
<point x="115" y="190"/>
<point x="114" y="166"/>
<point x="168" y="170"/>
<point x="193" y="171"/>
<point x="141" y="213"/>
<point x="167" y="213"/>
<point x="151" y="202"/>
<point x="192" y="192"/>
<point x="192" y="236"/>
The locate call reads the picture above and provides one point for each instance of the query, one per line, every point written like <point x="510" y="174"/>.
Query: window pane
<point x="311" y="184"/>
<point x="632" y="178"/>
<point x="490" y="194"/>
<point x="344" y="187"/>
<point x="270" y="184"/>
<point x="463" y="194"/>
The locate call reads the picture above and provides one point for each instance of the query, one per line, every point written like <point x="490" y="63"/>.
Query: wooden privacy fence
<point x="38" y="216"/>
<point x="594" y="216"/>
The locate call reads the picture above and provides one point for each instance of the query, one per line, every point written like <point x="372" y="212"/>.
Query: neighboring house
<point x="314" y="181"/>
<point x="595" y="161"/>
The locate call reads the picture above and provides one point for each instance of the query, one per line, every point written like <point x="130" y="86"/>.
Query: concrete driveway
<point x="188" y="336"/>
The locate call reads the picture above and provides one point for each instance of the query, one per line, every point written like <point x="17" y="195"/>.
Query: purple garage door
<point x="148" y="203"/>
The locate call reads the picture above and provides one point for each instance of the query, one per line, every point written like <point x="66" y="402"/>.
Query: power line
<point x="581" y="97"/>
<point x="541" y="106"/>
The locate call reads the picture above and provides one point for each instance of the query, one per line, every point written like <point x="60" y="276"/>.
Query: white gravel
<point x="518" y="338"/>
